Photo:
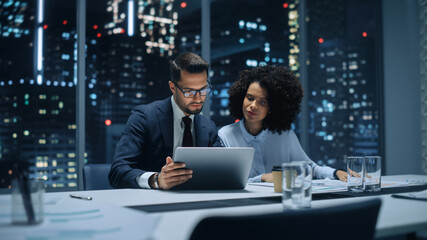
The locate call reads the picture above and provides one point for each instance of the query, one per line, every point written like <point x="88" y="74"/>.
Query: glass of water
<point x="372" y="182"/>
<point x="293" y="184"/>
<point x="25" y="214"/>
<point x="355" y="173"/>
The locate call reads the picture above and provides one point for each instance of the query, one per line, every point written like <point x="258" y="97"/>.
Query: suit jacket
<point x="148" y="139"/>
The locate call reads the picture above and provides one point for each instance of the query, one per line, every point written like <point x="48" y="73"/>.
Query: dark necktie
<point x="187" y="141"/>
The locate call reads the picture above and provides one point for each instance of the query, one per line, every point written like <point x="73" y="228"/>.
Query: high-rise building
<point x="154" y="21"/>
<point x="16" y="36"/>
<point x="16" y="65"/>
<point x="189" y="28"/>
<point x="60" y="54"/>
<point x="9" y="129"/>
<point x="127" y="59"/>
<point x="343" y="109"/>
<point x="245" y="34"/>
<point x="38" y="89"/>
<point x="117" y="83"/>
<point x="39" y="131"/>
<point x="56" y="81"/>
<point x="342" y="85"/>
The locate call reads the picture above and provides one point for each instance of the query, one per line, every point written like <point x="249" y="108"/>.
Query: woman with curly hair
<point x="267" y="99"/>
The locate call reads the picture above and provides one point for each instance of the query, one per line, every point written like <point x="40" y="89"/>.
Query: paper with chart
<point x="331" y="185"/>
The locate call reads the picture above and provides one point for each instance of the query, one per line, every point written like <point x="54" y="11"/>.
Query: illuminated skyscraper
<point x="245" y="34"/>
<point x="60" y="54"/>
<point x="116" y="85"/>
<point x="9" y="129"/>
<point x="189" y="29"/>
<point x="294" y="35"/>
<point x="16" y="18"/>
<point x="128" y="53"/>
<point x="16" y="65"/>
<point x="342" y="88"/>
<point x="39" y="131"/>
<point x="16" y="36"/>
<point x="343" y="109"/>
<point x="38" y="94"/>
<point x="154" y="21"/>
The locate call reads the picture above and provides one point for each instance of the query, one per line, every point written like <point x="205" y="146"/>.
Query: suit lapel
<point x="165" y="116"/>
<point x="202" y="136"/>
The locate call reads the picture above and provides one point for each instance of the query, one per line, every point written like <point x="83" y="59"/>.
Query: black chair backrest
<point x="95" y="176"/>
<point x="350" y="221"/>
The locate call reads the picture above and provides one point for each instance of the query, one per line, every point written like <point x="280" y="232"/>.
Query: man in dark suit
<point x="143" y="154"/>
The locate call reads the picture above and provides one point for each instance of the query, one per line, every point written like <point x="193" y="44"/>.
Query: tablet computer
<point x="215" y="168"/>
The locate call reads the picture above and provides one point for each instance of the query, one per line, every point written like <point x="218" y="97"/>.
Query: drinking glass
<point x="355" y="173"/>
<point x="293" y="184"/>
<point x="372" y="182"/>
<point x="27" y="208"/>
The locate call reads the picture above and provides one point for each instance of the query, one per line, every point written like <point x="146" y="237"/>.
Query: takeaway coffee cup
<point x="277" y="178"/>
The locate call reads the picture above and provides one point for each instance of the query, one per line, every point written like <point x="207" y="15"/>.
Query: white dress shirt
<point x="178" y="134"/>
<point x="271" y="149"/>
<point x="178" y="126"/>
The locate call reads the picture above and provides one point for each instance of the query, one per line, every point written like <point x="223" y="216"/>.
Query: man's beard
<point x="185" y="108"/>
<point x="188" y="111"/>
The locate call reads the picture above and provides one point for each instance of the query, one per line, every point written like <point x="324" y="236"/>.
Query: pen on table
<point x="81" y="197"/>
<point x="318" y="184"/>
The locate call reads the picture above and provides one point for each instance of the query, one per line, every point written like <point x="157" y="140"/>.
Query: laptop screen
<point x="215" y="168"/>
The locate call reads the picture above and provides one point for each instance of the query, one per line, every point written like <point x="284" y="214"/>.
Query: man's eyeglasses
<point x="191" y="93"/>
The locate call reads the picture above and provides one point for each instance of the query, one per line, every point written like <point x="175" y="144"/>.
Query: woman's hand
<point x="267" y="177"/>
<point x="342" y="175"/>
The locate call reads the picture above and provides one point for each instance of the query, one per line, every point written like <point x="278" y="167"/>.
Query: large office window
<point x="344" y="81"/>
<point x="129" y="46"/>
<point x="37" y="85"/>
<point x="246" y="34"/>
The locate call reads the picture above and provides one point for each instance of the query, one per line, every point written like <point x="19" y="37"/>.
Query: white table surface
<point x="397" y="216"/>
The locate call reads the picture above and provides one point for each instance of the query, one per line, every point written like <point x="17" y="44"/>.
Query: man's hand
<point x="342" y="175"/>
<point x="171" y="174"/>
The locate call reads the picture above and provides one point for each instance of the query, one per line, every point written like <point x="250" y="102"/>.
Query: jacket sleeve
<point x="129" y="151"/>
<point x="214" y="140"/>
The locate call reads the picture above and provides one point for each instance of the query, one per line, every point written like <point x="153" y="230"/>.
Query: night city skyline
<point x="127" y="64"/>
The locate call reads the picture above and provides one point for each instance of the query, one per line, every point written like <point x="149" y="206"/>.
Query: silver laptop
<point x="215" y="168"/>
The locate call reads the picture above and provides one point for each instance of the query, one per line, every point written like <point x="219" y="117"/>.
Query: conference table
<point x="155" y="214"/>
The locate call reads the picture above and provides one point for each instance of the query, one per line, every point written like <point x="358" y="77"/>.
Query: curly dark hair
<point x="285" y="94"/>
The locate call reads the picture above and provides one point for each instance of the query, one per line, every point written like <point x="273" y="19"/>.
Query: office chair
<point x="95" y="176"/>
<point x="351" y="221"/>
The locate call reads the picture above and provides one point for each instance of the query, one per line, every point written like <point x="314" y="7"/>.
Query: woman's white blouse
<point x="271" y="149"/>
